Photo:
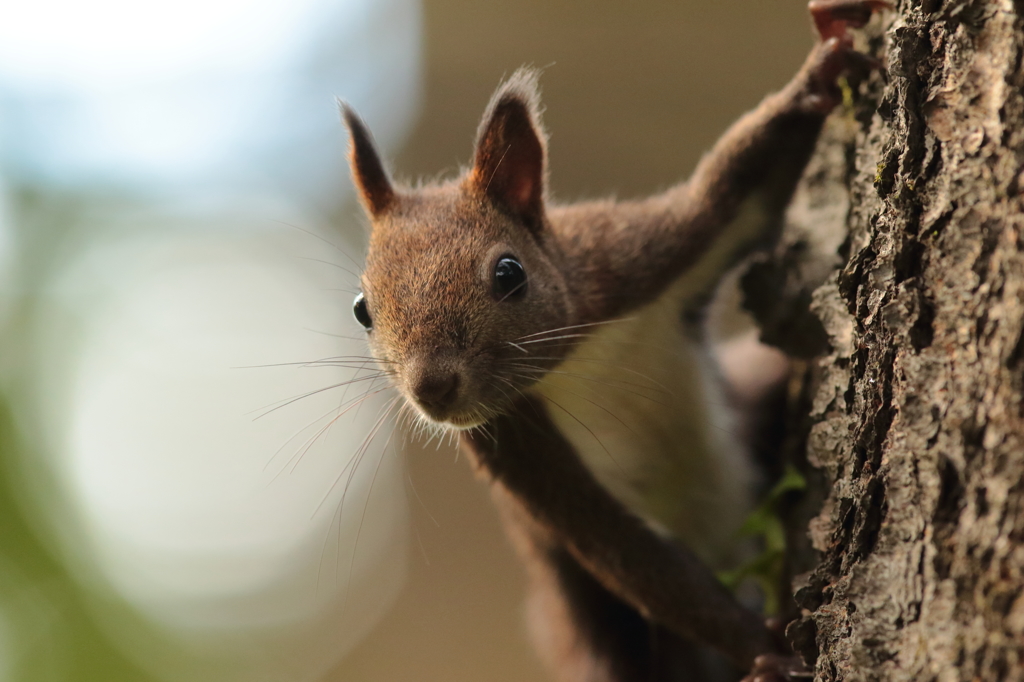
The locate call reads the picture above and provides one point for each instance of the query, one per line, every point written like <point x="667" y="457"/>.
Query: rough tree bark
<point x="916" y="426"/>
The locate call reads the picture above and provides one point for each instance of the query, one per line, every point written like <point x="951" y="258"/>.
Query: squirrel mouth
<point x="465" y="422"/>
<point x="456" y="421"/>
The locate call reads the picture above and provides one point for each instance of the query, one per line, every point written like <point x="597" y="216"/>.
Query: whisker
<point x="510" y="385"/>
<point x="289" y="401"/>
<point x="598" y="405"/>
<point x="331" y="361"/>
<point x="323" y="548"/>
<point x="591" y="432"/>
<point x="354" y="464"/>
<point x="419" y="541"/>
<point x="614" y="383"/>
<point x="608" y="363"/>
<point x="705" y="399"/>
<point x="366" y="503"/>
<point x="362" y="368"/>
<point x="606" y="341"/>
<point x="355" y="458"/>
<point x="290" y="439"/>
<point x="327" y="262"/>
<point x="514" y="342"/>
<point x="555" y="338"/>
<point x="371" y="387"/>
<point x="296" y="458"/>
<point x="575" y="326"/>
<point x="321" y="238"/>
<point x="419" y="499"/>
<point x="458" y="450"/>
<point x="333" y="335"/>
<point x="514" y="289"/>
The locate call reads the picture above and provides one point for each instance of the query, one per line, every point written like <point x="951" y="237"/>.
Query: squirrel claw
<point x="835" y="55"/>
<point x="833" y="58"/>
<point x="833" y="17"/>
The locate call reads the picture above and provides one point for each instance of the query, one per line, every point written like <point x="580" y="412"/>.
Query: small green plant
<point x="844" y="87"/>
<point x="764" y="523"/>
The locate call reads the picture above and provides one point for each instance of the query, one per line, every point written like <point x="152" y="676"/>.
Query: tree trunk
<point x="916" y="422"/>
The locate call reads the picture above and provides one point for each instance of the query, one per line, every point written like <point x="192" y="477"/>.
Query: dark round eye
<point x="509" y="278"/>
<point x="361" y="312"/>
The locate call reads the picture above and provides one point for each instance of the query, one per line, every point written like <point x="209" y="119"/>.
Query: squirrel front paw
<point x="833" y="17"/>
<point x="835" y="55"/>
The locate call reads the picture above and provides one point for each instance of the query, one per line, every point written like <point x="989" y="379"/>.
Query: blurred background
<point x="190" y="488"/>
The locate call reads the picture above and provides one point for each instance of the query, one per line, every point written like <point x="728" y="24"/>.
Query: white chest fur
<point x="643" y="406"/>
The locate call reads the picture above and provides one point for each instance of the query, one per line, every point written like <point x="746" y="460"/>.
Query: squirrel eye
<point x="509" y="278"/>
<point x="361" y="312"/>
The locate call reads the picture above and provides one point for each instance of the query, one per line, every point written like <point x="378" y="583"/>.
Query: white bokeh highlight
<point x="186" y="504"/>
<point x="203" y="549"/>
<point x="201" y="99"/>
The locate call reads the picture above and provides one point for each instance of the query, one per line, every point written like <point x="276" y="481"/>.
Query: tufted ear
<point x="367" y="169"/>
<point x="510" y="165"/>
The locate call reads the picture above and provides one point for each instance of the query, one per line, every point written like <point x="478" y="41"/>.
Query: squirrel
<point x="552" y="339"/>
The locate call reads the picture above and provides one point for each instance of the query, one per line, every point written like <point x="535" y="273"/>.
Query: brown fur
<point x="613" y="594"/>
<point x="562" y="529"/>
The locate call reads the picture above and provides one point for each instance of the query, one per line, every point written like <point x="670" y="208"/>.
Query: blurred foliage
<point x="765" y="524"/>
<point x="47" y="632"/>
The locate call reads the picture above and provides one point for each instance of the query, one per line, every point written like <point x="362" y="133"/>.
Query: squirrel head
<point x="463" y="291"/>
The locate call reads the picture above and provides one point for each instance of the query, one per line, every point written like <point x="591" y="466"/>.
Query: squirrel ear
<point x="367" y="169"/>
<point x="511" y="157"/>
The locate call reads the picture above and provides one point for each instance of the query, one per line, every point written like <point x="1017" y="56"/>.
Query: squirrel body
<point x="554" y="339"/>
<point x="641" y="401"/>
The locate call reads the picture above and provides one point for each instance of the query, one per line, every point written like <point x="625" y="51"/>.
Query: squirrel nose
<point x="437" y="390"/>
